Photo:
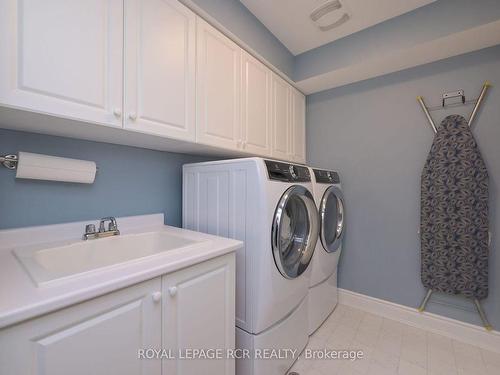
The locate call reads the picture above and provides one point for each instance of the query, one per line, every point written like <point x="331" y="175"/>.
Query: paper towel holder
<point x="9" y="161"/>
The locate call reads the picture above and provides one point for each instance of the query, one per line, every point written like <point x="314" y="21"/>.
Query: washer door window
<point x="332" y="216"/>
<point x="295" y="231"/>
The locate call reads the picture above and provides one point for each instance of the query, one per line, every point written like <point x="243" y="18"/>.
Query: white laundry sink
<point x="51" y="262"/>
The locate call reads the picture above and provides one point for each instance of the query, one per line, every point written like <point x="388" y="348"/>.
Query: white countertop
<point x="21" y="299"/>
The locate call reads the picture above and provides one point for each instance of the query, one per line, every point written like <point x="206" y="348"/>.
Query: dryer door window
<point x="295" y="231"/>
<point x="332" y="217"/>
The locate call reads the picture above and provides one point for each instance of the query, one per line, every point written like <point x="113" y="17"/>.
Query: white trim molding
<point x="454" y="329"/>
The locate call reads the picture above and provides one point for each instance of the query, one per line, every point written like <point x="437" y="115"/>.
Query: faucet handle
<point x="89" y="228"/>
<point x="112" y="226"/>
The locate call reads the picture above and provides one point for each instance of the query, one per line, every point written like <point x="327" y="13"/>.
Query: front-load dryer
<point x="323" y="294"/>
<point x="269" y="206"/>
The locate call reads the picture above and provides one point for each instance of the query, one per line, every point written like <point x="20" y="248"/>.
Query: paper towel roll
<point x="53" y="168"/>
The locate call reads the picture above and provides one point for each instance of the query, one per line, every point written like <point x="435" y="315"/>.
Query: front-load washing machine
<point x="269" y="206"/>
<point x="323" y="294"/>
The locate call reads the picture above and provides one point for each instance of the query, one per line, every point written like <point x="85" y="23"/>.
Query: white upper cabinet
<point x="288" y="124"/>
<point x="281" y="112"/>
<point x="218" y="85"/>
<point x="160" y="68"/>
<point x="298" y="126"/>
<point x="255" y="106"/>
<point x="147" y="66"/>
<point x="63" y="58"/>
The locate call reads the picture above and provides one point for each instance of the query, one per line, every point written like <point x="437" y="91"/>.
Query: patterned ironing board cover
<point x="454" y="213"/>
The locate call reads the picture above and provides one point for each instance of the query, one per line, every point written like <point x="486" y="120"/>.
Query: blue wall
<point x="376" y="135"/>
<point x="233" y="15"/>
<point x="130" y="181"/>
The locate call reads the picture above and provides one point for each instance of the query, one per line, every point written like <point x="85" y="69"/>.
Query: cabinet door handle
<point x="156" y="296"/>
<point x="172" y="291"/>
<point x="117" y="112"/>
<point x="132" y="116"/>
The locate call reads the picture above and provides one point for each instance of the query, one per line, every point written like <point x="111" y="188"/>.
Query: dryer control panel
<point x="326" y="177"/>
<point x="287" y="172"/>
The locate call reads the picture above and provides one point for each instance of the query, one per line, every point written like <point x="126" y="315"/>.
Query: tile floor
<point x="390" y="347"/>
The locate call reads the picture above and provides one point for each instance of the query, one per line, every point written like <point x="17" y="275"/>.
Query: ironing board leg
<point x="427" y="114"/>
<point x="478" y="103"/>
<point x="480" y="310"/>
<point x="425" y="300"/>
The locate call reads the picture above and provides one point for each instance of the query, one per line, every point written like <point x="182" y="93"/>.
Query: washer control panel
<point x="287" y="172"/>
<point x="326" y="177"/>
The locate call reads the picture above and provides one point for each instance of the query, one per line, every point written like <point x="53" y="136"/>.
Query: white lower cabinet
<point x="199" y="313"/>
<point x="190" y="308"/>
<point x="98" y="337"/>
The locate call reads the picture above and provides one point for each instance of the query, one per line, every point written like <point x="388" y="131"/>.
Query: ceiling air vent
<point x="329" y="15"/>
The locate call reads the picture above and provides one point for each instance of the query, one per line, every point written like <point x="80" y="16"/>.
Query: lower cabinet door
<point x="100" y="337"/>
<point x="198" y="318"/>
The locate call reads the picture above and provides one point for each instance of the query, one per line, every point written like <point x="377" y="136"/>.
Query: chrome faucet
<point x="91" y="234"/>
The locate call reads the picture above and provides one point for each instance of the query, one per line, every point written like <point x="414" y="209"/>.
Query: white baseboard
<point x="454" y="329"/>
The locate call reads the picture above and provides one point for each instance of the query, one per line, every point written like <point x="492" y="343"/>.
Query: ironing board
<point x="454" y="212"/>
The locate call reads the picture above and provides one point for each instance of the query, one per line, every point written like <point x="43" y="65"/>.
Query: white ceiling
<point x="289" y="20"/>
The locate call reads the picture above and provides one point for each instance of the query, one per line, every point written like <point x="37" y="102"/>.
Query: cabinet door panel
<point x="160" y="68"/>
<point x="256" y="106"/>
<point x="298" y="126"/>
<point x="218" y="88"/>
<point x="89" y="338"/>
<point x="281" y="118"/>
<point x="63" y="57"/>
<point x="198" y="313"/>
